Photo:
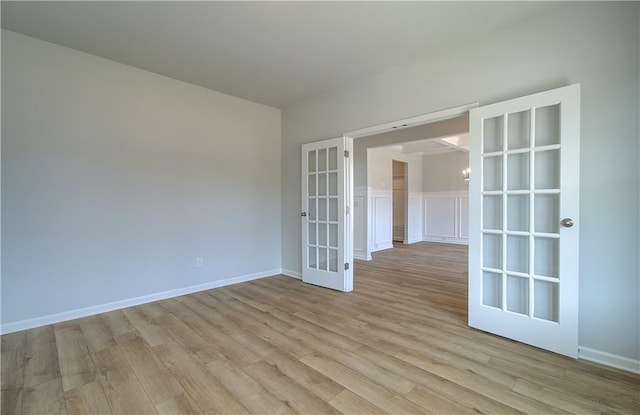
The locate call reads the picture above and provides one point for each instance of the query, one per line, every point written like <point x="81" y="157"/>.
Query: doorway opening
<point x="408" y="186"/>
<point x="400" y="201"/>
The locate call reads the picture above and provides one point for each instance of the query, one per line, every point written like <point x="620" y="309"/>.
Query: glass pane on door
<point x="519" y="129"/>
<point x="322" y="209"/>
<point x="492" y="135"/>
<point x="546" y="300"/>
<point x="492" y="289"/>
<point x="548" y="125"/>
<point x="515" y="213"/>
<point x="518" y="294"/>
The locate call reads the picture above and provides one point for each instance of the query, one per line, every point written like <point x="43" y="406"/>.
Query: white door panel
<point x="523" y="263"/>
<point x="326" y="224"/>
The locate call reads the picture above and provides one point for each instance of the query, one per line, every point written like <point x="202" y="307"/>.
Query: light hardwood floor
<point x="398" y="344"/>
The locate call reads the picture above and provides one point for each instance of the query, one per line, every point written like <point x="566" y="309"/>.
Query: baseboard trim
<point x="289" y="273"/>
<point x="444" y="240"/>
<point x="362" y="257"/>
<point x="608" y="359"/>
<point x="383" y="246"/>
<point x="130" y="302"/>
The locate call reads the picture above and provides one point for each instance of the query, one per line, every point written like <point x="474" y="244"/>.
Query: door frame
<point x="415" y="121"/>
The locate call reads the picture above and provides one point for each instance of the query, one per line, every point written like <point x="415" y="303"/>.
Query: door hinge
<point x="348" y="210"/>
<point x="346" y="153"/>
<point x="346" y="266"/>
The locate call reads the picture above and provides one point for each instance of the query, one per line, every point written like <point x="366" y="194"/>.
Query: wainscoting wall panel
<point x="415" y="204"/>
<point x="360" y="221"/>
<point x="433" y="216"/>
<point x="446" y="217"/>
<point x="382" y="219"/>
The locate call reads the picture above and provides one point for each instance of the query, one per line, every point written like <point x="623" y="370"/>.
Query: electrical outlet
<point x="199" y="262"/>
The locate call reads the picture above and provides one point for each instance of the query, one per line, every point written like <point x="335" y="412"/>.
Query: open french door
<point x="524" y="195"/>
<point x="327" y="255"/>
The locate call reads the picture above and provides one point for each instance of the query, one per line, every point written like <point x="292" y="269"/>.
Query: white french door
<point x="524" y="195"/>
<point x="326" y="222"/>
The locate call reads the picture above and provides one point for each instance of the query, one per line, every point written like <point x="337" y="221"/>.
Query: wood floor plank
<point x="309" y="378"/>
<point x="181" y="404"/>
<point x="97" y="333"/>
<point x="253" y="396"/>
<point x="203" y="388"/>
<point x="44" y="398"/>
<point x="150" y="331"/>
<point x="392" y="381"/>
<point x="444" y="388"/>
<point x="112" y="366"/>
<point x="293" y="394"/>
<point x="480" y="384"/>
<point x="13" y="341"/>
<point x="11" y="401"/>
<point x="399" y="343"/>
<point x="12" y="372"/>
<point x="41" y="357"/>
<point x="348" y="402"/>
<point x="129" y="398"/>
<point x="76" y="365"/>
<point x="116" y="322"/>
<point x="206" y="321"/>
<point x="150" y="371"/>
<point x="563" y="400"/>
<point x="360" y="385"/>
<point x="182" y="333"/>
<point x="87" y="399"/>
<point x="436" y="404"/>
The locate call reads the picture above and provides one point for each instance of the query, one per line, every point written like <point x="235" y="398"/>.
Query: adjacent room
<point x="189" y="191"/>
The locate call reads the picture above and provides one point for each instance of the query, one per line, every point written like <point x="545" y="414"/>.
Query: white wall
<point x="594" y="44"/>
<point x="452" y="126"/>
<point x="446" y="198"/>
<point x="115" y="180"/>
<point x="443" y="172"/>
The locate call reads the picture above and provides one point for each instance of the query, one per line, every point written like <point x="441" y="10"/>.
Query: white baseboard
<point x="362" y="257"/>
<point x="293" y="274"/>
<point x="445" y="240"/>
<point x="608" y="359"/>
<point x="383" y="246"/>
<point x="130" y="302"/>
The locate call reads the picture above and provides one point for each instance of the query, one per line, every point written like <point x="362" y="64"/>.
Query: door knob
<point x="566" y="222"/>
<point x="303" y="214"/>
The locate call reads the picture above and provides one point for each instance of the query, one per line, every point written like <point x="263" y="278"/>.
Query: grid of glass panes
<point x="322" y="208"/>
<point x="521" y="212"/>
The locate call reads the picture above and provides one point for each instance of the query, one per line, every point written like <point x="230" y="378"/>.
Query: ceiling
<point x="274" y="53"/>
<point x="440" y="145"/>
<point x="432" y="146"/>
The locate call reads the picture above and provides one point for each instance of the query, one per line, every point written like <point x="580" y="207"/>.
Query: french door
<point x="327" y="256"/>
<point x="524" y="195"/>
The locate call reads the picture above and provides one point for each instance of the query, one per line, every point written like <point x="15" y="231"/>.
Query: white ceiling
<point x="438" y="145"/>
<point x="432" y="146"/>
<point x="273" y="53"/>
